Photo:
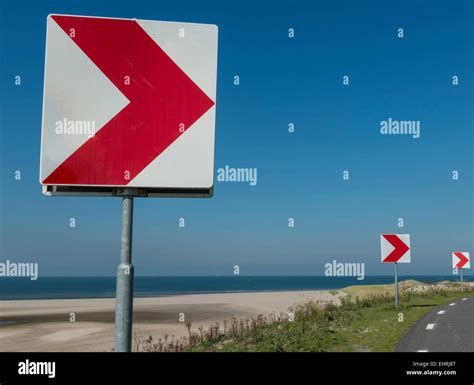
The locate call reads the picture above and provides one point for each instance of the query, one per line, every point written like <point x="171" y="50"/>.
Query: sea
<point x="104" y="287"/>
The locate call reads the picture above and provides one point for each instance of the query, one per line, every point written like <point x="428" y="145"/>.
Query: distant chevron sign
<point x="395" y="248"/>
<point x="461" y="260"/>
<point x="128" y="103"/>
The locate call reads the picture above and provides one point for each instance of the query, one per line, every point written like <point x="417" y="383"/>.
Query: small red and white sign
<point x="461" y="260"/>
<point x="128" y="103"/>
<point x="395" y="248"/>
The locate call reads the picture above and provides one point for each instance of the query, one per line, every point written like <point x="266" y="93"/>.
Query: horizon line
<point x="241" y="275"/>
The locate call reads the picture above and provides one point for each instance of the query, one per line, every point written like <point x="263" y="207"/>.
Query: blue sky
<point x="283" y="80"/>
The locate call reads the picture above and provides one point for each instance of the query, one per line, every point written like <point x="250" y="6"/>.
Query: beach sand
<point x="44" y="325"/>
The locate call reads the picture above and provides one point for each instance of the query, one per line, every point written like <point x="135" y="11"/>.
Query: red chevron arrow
<point x="462" y="260"/>
<point x="164" y="102"/>
<point x="400" y="248"/>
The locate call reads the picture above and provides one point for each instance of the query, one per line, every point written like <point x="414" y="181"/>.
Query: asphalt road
<point x="448" y="328"/>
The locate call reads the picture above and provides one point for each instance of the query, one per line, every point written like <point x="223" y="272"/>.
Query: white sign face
<point x="395" y="248"/>
<point x="128" y="103"/>
<point x="461" y="260"/>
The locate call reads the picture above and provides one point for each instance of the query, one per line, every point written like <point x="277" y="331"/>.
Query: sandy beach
<point x="45" y="325"/>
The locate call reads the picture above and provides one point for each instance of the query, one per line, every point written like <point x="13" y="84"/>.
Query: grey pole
<point x="396" y="285"/>
<point x="462" y="281"/>
<point x="124" y="303"/>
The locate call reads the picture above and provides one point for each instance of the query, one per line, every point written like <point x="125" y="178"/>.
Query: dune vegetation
<point x="362" y="318"/>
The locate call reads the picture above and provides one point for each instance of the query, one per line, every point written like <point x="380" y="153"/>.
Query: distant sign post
<point x="461" y="261"/>
<point x="128" y="111"/>
<point x="395" y="248"/>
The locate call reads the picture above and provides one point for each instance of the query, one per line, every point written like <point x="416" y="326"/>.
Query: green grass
<point x="363" y="291"/>
<point x="368" y="323"/>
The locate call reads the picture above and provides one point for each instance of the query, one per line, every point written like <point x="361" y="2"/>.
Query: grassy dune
<point x="365" y="321"/>
<point x="368" y="290"/>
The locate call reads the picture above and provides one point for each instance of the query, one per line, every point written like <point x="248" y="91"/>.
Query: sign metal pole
<point x="396" y="285"/>
<point x="124" y="302"/>
<point x="462" y="281"/>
